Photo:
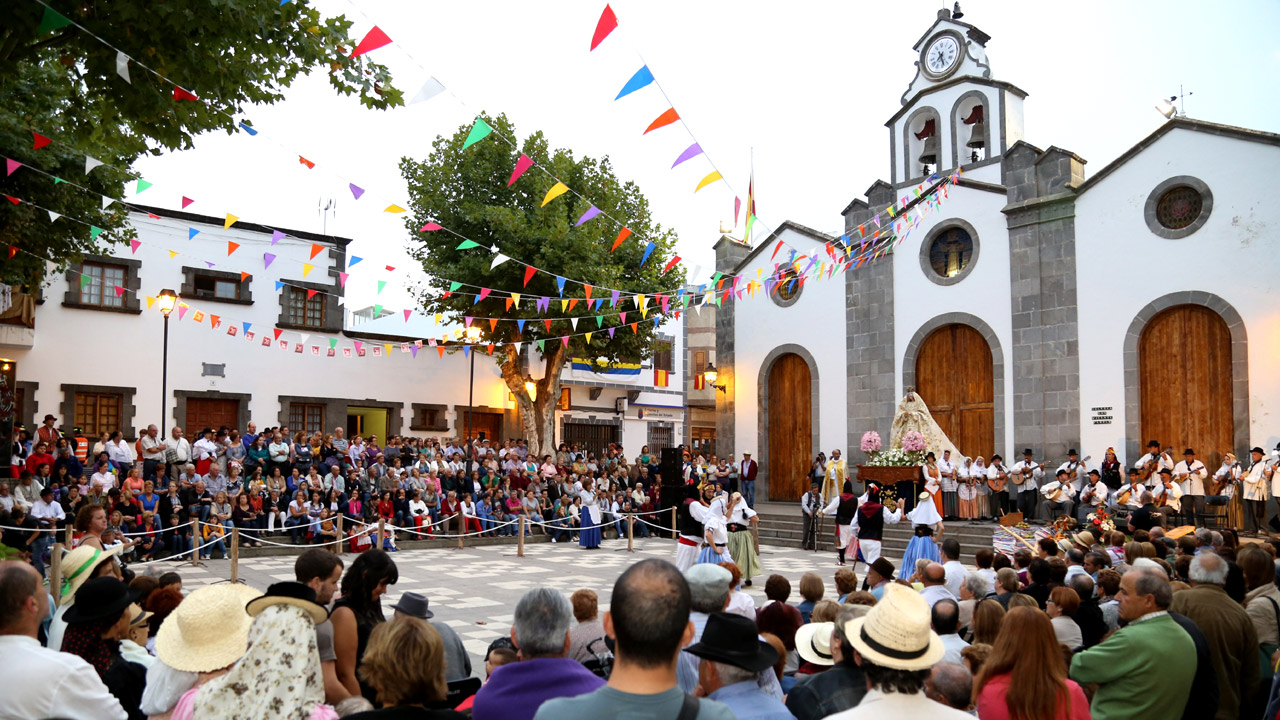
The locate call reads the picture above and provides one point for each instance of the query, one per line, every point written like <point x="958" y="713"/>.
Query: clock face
<point x="942" y="55"/>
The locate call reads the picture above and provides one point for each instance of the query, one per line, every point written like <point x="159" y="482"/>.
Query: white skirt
<point x="686" y="556"/>
<point x="869" y="550"/>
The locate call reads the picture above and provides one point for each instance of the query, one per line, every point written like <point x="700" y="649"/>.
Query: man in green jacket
<point x="1145" y="669"/>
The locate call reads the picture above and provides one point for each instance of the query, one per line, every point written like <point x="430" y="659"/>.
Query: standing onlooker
<point x="359" y="610"/>
<point x="649" y="620"/>
<point x="1233" y="642"/>
<point x="748" y="477"/>
<point x="1025" y="675"/>
<point x="540" y="630"/>
<point x="587" y="637"/>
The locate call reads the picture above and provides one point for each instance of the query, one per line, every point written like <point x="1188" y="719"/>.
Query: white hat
<point x="895" y="633"/>
<point x="813" y="642"/>
<point x="209" y="629"/>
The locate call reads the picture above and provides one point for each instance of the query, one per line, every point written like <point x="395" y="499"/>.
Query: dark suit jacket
<point x="749" y="470"/>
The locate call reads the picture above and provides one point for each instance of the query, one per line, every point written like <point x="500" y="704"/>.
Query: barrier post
<point x="520" y="537"/>
<point x="339" y="547"/>
<point x="55" y="573"/>
<point x="381" y="528"/>
<point x="631" y="532"/>
<point x="235" y="554"/>
<point x="675" y="533"/>
<point x="460" y="524"/>
<point x="196" y="541"/>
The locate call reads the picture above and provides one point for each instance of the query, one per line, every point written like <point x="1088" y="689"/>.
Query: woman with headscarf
<point x="359" y="610"/>
<point x="95" y="627"/>
<point x="967" y="493"/>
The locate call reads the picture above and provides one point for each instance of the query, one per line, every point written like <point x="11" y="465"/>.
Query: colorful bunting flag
<point x="431" y="88"/>
<point x="180" y="94"/>
<point x="122" y="66"/>
<point x="244" y="125"/>
<point x="38" y="140"/>
<point x="667" y="268"/>
<point x="316" y="249"/>
<point x="524" y="162"/>
<point x="556" y="191"/>
<point x="356" y="190"/>
<point x="431" y="227"/>
<point x="94" y="232"/>
<point x="277" y="236"/>
<point x="605" y="25"/>
<point x="692" y="151"/>
<point x="373" y="40"/>
<point x="711" y="177"/>
<point x="245" y="276"/>
<point x="662" y="120"/>
<point x="342" y="278"/>
<point x="498" y="260"/>
<point x="589" y="214"/>
<point x="479" y="131"/>
<point x="51" y="20"/>
<point x="142" y="185"/>
<point x="648" y="250"/>
<point x="393" y="208"/>
<point x="11" y="166"/>
<point x="641" y="79"/>
<point x="623" y="234"/>
<point x="90" y="163"/>
<point x="231" y="220"/>
<point x="232" y="247"/>
<point x="267" y="258"/>
<point x="307" y="268"/>
<point x="381" y="284"/>
<point x="355" y="259"/>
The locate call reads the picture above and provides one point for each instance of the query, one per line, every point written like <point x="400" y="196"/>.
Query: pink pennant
<point x="431" y="227"/>
<point x="372" y="41"/>
<point x="522" y="164"/>
<point x="565" y="341"/>
<point x="359" y="346"/>
<point x="407" y="313"/>
<point x="186" y="201"/>
<point x="737" y="205"/>
<point x="605" y="25"/>
<point x="119" y="291"/>
<point x="484" y="293"/>
<point x="342" y="278"/>
<point x="134" y="243"/>
<point x="182" y="310"/>
<point x="11" y="165"/>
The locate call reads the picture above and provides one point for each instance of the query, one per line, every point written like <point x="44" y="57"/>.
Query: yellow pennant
<point x="556" y="191"/>
<point x="588" y="338"/>
<point x="564" y="305"/>
<point x="437" y="318"/>
<point x="307" y="268"/>
<point x="640" y="302"/>
<point x="150" y="301"/>
<point x="710" y="178"/>
<point x="231" y="220"/>
<point x="515" y="299"/>
<point x="393" y="208"/>
<point x="173" y="254"/>
<point x="644" y="311"/>
<point x="387" y="350"/>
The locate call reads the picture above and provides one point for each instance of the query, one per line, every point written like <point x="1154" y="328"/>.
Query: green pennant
<point x="599" y="321"/>
<point x="142" y="185"/>
<point x="468" y="244"/>
<point x="377" y="310"/>
<point x="453" y="286"/>
<point x="94" y="232"/>
<point x="58" y="180"/>
<point x="479" y="131"/>
<point x="52" y="20"/>
<point x="381" y="284"/>
<point x="85" y="280"/>
<point x="717" y="277"/>
<point x="542" y="347"/>
<point x="333" y="343"/>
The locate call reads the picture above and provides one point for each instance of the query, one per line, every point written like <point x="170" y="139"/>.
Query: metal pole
<point x="164" y="379"/>
<point x="471" y="399"/>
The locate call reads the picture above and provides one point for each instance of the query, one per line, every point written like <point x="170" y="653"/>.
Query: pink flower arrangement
<point x="913" y="441"/>
<point x="870" y="441"/>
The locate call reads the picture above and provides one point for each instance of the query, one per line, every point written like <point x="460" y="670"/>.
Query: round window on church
<point x="951" y="252"/>
<point x="1178" y="207"/>
<point x="787" y="290"/>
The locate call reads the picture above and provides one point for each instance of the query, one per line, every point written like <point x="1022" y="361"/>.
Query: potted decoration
<point x="892" y="466"/>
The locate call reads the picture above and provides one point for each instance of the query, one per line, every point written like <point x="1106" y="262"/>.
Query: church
<point x="1040" y="306"/>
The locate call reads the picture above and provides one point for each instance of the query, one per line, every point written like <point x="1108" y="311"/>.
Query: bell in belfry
<point x="977" y="136"/>
<point x="929" y="133"/>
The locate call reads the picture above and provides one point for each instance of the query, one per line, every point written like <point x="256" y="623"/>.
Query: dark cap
<point x="1166" y="471"/>
<point x="1259" y="450"/>
<point x="1094" y="473"/>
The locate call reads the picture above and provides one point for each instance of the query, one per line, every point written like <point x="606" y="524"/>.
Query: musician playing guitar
<point x="1058" y="496"/>
<point x="1130" y="496"/>
<point x="1167" y="494"/>
<point x="1077" y="469"/>
<point x="1255" y="482"/>
<point x="1026" y="474"/>
<point x="998" y="481"/>
<point x="1092" y="496"/>
<point x="1191" y="473"/>
<point x="1153" y="462"/>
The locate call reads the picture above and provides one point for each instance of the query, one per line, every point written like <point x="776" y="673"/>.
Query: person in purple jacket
<point x="541" y="632"/>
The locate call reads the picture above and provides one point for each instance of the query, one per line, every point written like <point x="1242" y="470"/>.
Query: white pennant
<point x="498" y="260"/>
<point x="53" y="216"/>
<point x="342" y="300"/>
<point x="90" y="163"/>
<point x="574" y="323"/>
<point x="303" y="338"/>
<point x="430" y="89"/>
<point x="106" y="202"/>
<point x="122" y="66"/>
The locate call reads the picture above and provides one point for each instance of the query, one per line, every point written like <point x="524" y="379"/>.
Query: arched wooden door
<point x="954" y="376"/>
<point x="790" y="427"/>
<point x="1184" y="365"/>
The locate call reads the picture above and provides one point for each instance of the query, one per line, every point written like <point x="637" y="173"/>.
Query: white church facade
<point x="1038" y="307"/>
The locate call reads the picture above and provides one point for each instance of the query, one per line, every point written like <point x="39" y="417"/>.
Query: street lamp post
<point x="168" y="299"/>
<point x="472" y="337"/>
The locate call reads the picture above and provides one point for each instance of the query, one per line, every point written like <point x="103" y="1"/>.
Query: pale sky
<point x="807" y="85"/>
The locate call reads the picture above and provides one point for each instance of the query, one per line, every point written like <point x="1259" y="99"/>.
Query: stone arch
<point x="762" y="418"/>
<point x="908" y="149"/>
<point x="997" y="363"/>
<point x="1239" y="367"/>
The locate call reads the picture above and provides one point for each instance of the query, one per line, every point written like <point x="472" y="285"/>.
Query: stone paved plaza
<point x="475" y="590"/>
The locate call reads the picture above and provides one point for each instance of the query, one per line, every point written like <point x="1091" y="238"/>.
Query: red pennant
<point x="528" y="274"/>
<point x="623" y="234"/>
<point x="13" y="199"/>
<point x="608" y="21"/>
<point x="316" y="249"/>
<point x="372" y="41"/>
<point x="40" y="140"/>
<point x="153" y="216"/>
<point x="662" y="120"/>
<point x="13" y="250"/>
<point x="232" y="247"/>
<point x="548" y="324"/>
<point x="522" y="164"/>
<point x="277" y="332"/>
<point x="213" y="321"/>
<point x="186" y="201"/>
<point x="776" y="248"/>
<point x="244" y="276"/>
<point x="390" y="269"/>
<point x="490" y="346"/>
<point x="180" y="94"/>
<point x="312" y="293"/>
<point x="440" y="349"/>
<point x="310" y="165"/>
<point x="674" y="261"/>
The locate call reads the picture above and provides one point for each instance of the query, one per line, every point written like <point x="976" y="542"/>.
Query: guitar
<point x="1151" y="466"/>
<point x="1126" y="495"/>
<point x="1171" y="497"/>
<point x="1075" y="468"/>
<point x="1018" y="478"/>
<point x="1220" y="484"/>
<point x="1053" y="494"/>
<point x="997" y="484"/>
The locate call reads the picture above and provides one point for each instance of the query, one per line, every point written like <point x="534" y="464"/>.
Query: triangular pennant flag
<point x="316" y="249"/>
<point x="548" y="324"/>
<point x="556" y="191"/>
<point x="431" y="227"/>
<point x="588" y="338"/>
<point x="53" y="216"/>
<point x="453" y="286"/>
<point x="355" y="259"/>
<point x="467" y="245"/>
<point x="662" y="120"/>
<point x="356" y="190"/>
<point x="414" y="349"/>
<point x="737" y="205"/>
<point x="122" y="66"/>
<point x="248" y="128"/>
<point x="94" y="232"/>
<point x="312" y="293"/>
<point x="142" y="185"/>
<point x="564" y="305"/>
<point x="634" y="329"/>
<point x="393" y="208"/>
<point x="529" y="272"/>
<point x="277" y="236"/>
<point x="214" y="321"/>
<point x="614" y="299"/>
<point x="307" y="268"/>
<point x="267" y="259"/>
<point x="524" y="162"/>
<point x="605" y="25"/>
<point x="11" y="165"/>
<point x="590" y="213"/>
<point x="119" y="290"/>
<point x="106" y="202"/>
<point x="560" y="285"/>
<point x="51" y="20"/>
<point x="134" y="243"/>
<point x="498" y="260"/>
<point x="642" y="78"/>
<point x="599" y="321"/>
<point x="182" y="310"/>
<point x="150" y="301"/>
<point x="692" y="151"/>
<point x="711" y="177"/>
<point x="373" y="40"/>
<point x="493" y="324"/>
<point x="564" y="341"/>
<point x="90" y="163"/>
<point x="519" y="326"/>
<point x="333" y="342"/>
<point x="623" y="234"/>
<point x="381" y="284"/>
<point x="231" y="220"/>
<point x="183" y="94"/>
<point x="85" y="280"/>
<point x="440" y="349"/>
<point x="377" y="310"/>
<point x="673" y="262"/>
<point x="515" y="299"/>
<point x="232" y="247"/>
<point x="611" y="330"/>
<point x="186" y="201"/>
<point x="479" y="131"/>
<point x="245" y="276"/>
<point x="648" y="250"/>
<point x="342" y="278"/>
<point x="622" y="317"/>
<point x="303" y="161"/>
<point x="173" y="254"/>
<point x="574" y="322"/>
<point x="38" y="141"/>
<point x="466" y="351"/>
<point x="431" y="88"/>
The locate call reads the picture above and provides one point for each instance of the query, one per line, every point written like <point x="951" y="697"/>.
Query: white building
<point x="254" y="349"/>
<point x="1037" y="307"/>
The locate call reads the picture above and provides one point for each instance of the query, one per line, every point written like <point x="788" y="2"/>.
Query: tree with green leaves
<point x="466" y="191"/>
<point x="57" y="80"/>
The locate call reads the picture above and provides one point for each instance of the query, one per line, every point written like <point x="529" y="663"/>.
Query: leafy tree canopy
<point x="466" y="191"/>
<point x="63" y="83"/>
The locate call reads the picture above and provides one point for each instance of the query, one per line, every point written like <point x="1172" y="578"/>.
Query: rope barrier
<point x="655" y="525"/>
<point x="123" y="534"/>
<point x="178" y="557"/>
<point x="366" y="531"/>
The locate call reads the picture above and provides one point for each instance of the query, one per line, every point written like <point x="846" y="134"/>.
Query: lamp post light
<point x="710" y="376"/>
<point x="472" y="337"/>
<point x="168" y="300"/>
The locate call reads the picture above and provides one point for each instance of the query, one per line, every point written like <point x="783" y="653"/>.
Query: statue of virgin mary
<point x="913" y="414"/>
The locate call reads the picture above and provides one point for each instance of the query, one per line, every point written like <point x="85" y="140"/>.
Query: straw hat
<point x="813" y="642"/>
<point x="895" y="633"/>
<point x="1085" y="538"/>
<point x="78" y="565"/>
<point x="208" y="630"/>
<point x="289" y="593"/>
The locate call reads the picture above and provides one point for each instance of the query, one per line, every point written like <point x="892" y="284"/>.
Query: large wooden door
<point x="484" y="425"/>
<point x="1184" y="358"/>
<point x="211" y="413"/>
<point x="790" y="427"/>
<point x="954" y="378"/>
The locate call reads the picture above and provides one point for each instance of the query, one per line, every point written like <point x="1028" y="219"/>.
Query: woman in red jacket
<point x="1025" y="678"/>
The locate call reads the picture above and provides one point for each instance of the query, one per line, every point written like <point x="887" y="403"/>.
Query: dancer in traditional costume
<point x="843" y="506"/>
<point x="741" y="543"/>
<point x="689" y="518"/>
<point x="868" y="526"/>
<point x="716" y="533"/>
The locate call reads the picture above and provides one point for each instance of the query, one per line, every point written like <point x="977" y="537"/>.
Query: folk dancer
<point x="1153" y="462"/>
<point x="837" y="473"/>
<point x="950" y="486"/>
<point x="843" y="507"/>
<point x="1191" y="474"/>
<point x="998" y="484"/>
<point x="928" y="528"/>
<point x="1059" y="497"/>
<point x="810" y="504"/>
<point x="1225" y="486"/>
<point x="715" y="532"/>
<point x="931" y="475"/>
<point x="689" y="519"/>
<point x="1255" y="482"/>
<point x="1077" y="470"/>
<point x="868" y="526"/>
<point x="741" y="543"/>
<point x="967" y="481"/>
<point x="1031" y="473"/>
<point x="1093" y="496"/>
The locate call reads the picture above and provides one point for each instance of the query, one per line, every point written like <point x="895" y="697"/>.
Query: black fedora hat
<point x="1026" y="451"/>
<point x="414" y="604"/>
<point x="734" y="640"/>
<point x="101" y="598"/>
